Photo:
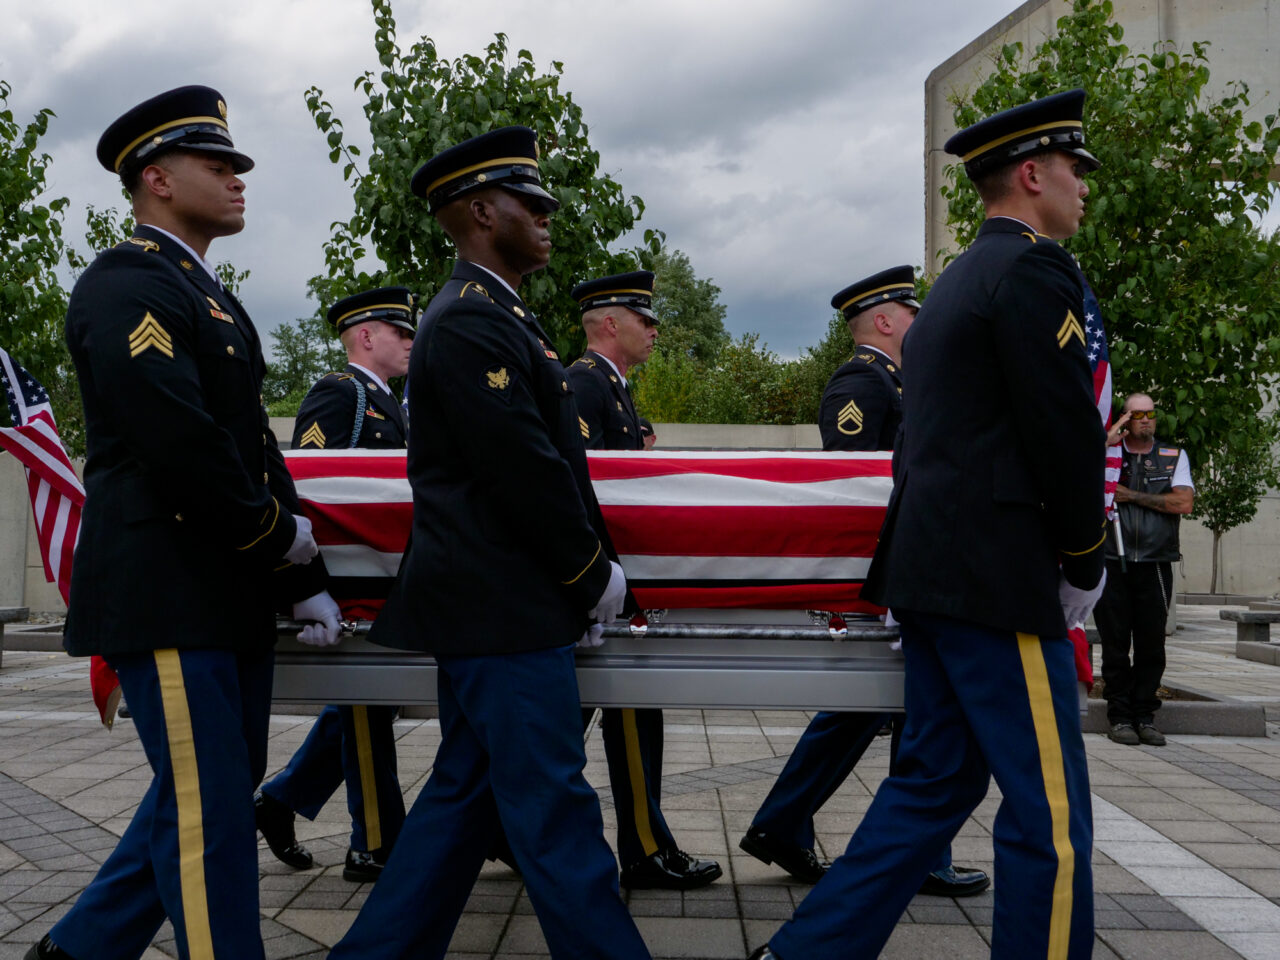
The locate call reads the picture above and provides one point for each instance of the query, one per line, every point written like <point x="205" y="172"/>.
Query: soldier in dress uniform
<point x="618" y="319"/>
<point x="191" y="533"/>
<point x="861" y="410"/>
<point x="504" y="574"/>
<point x="354" y="408"/>
<point x="991" y="546"/>
<point x="862" y="405"/>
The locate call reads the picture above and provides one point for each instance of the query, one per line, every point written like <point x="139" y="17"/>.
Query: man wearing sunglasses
<point x="1155" y="489"/>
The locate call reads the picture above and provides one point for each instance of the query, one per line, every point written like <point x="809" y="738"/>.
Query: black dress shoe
<point x="46" y="949"/>
<point x="955" y="882"/>
<point x="801" y="862"/>
<point x="670" y="870"/>
<point x="275" y="822"/>
<point x="764" y="953"/>
<point x="363" y="866"/>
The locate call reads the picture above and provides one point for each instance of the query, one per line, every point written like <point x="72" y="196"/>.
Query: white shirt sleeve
<point x="1182" y="472"/>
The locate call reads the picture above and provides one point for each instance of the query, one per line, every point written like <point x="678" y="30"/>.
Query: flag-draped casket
<point x="762" y="530"/>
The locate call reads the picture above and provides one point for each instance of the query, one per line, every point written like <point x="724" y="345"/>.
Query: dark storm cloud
<point x="779" y="145"/>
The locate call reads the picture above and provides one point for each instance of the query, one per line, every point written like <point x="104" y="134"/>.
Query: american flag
<point x="57" y="497"/>
<point x="1100" y="363"/>
<point x="56" y="493"/>
<point x="763" y="530"/>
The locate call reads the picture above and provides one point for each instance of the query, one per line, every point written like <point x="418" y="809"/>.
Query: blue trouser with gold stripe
<point x="355" y="744"/>
<point x="191" y="850"/>
<point x="633" y="749"/>
<point x="510" y="751"/>
<point x="821" y="761"/>
<point x="980" y="703"/>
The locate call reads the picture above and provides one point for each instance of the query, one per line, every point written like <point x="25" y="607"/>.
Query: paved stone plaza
<point x="1186" y="859"/>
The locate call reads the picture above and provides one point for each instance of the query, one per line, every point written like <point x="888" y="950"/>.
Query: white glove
<point x="891" y="621"/>
<point x="304" y="544"/>
<point x="594" y="636"/>
<point x="1077" y="604"/>
<point x="609" y="607"/>
<point x="327" y="628"/>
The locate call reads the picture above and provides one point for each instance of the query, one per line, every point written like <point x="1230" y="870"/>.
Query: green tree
<point x="666" y="385"/>
<point x="302" y="353"/>
<point x="32" y="301"/>
<point x="689" y="307"/>
<point x="1189" y="285"/>
<point x="818" y="364"/>
<point x="420" y="103"/>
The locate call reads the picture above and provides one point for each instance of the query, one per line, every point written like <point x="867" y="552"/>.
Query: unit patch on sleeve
<point x="498" y="380"/>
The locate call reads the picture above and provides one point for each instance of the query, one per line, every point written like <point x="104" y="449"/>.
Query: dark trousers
<point x="355" y="744"/>
<point x="979" y="703"/>
<point x="822" y="760"/>
<point x="633" y="749"/>
<point x="511" y="752"/>
<point x="191" y="851"/>
<point x="1131" y="615"/>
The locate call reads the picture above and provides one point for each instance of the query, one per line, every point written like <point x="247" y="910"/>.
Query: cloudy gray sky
<point x="779" y="144"/>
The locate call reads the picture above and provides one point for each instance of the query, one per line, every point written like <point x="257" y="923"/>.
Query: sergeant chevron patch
<point x="849" y="416"/>
<point x="1070" y="328"/>
<point x="150" y="334"/>
<point x="586" y="431"/>
<point x="313" y="437"/>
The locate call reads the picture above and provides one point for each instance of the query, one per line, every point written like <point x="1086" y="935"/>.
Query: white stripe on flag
<point x="41" y="502"/>
<point x="351" y="489"/>
<point x="51" y="463"/>
<point x="704" y="489"/>
<point x="357" y="560"/>
<point x="650" y="567"/>
<point x="59" y="535"/>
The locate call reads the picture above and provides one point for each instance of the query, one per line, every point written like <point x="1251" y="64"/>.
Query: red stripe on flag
<point x="316" y="465"/>
<point x="706" y="531"/>
<point x="382" y="526"/>
<point x="774" y="469"/>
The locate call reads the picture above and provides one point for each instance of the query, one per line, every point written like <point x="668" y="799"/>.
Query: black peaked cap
<point x="506" y="157"/>
<point x="193" y="117"/>
<point x="896" y="283"/>
<point x="631" y="290"/>
<point x="1050" y="123"/>
<point x="394" y="305"/>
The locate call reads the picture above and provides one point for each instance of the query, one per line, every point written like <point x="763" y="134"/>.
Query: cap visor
<point x="1083" y="154"/>
<point x="239" y="162"/>
<point x="549" y="203"/>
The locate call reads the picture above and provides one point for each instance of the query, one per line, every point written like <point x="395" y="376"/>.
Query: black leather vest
<point x="1149" y="535"/>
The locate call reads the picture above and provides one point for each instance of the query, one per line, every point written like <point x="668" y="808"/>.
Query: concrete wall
<point x="1244" y="37"/>
<point x="15" y="517"/>
<point x="1250" y="554"/>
